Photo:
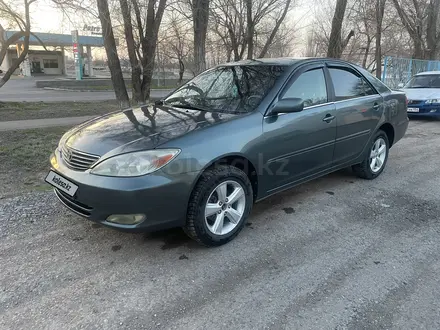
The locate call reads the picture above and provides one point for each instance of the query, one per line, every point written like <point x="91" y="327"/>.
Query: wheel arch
<point x="237" y="160"/>
<point x="389" y="131"/>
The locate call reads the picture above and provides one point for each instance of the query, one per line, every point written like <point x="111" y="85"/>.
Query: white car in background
<point x="423" y="93"/>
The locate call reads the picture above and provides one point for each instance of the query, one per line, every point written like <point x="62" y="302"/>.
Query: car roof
<point x="427" y="73"/>
<point x="285" y="61"/>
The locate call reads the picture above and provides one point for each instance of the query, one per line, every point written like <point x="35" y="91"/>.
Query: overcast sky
<point x="46" y="18"/>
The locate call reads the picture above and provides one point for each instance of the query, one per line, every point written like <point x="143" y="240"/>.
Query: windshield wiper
<point x="186" y="106"/>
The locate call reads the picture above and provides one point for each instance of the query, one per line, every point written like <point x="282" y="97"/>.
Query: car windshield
<point x="425" y="81"/>
<point x="230" y="89"/>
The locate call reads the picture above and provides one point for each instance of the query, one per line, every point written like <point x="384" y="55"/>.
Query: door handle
<point x="376" y="106"/>
<point x="328" y="118"/>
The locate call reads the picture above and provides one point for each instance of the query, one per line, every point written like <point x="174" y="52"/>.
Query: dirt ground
<point x="335" y="253"/>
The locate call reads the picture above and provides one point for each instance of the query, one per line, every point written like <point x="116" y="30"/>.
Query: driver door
<point x="300" y="145"/>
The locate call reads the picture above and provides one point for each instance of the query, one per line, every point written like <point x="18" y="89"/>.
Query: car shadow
<point x="176" y="239"/>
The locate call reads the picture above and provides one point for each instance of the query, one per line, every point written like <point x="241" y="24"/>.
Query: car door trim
<point x="354" y="135"/>
<point x="328" y="103"/>
<point x="299" y="152"/>
<point x="359" y="98"/>
<point x="305" y="109"/>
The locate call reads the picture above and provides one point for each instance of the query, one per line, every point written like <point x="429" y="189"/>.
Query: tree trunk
<point x="249" y="30"/>
<point x="112" y="55"/>
<point x="367" y="52"/>
<point x="432" y="39"/>
<point x="200" y="9"/>
<point x="419" y="52"/>
<point x="414" y="29"/>
<point x="149" y="40"/>
<point x="181" y="71"/>
<point x="380" y="10"/>
<point x="17" y="63"/>
<point x="14" y="38"/>
<point x="335" y="47"/>
<point x="234" y="44"/>
<point x="229" y="55"/>
<point x="136" y="71"/>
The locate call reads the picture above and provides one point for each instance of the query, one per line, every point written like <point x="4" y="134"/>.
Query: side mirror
<point x="288" y="106"/>
<point x="401" y="85"/>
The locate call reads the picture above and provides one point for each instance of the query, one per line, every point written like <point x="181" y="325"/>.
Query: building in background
<point x="51" y="62"/>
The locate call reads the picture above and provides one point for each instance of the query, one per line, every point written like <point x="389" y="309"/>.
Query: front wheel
<point x="219" y="206"/>
<point x="376" y="159"/>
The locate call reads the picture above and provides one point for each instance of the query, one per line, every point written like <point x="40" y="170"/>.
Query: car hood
<point x="422" y="93"/>
<point x="139" y="129"/>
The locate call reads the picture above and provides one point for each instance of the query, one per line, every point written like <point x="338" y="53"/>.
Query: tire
<point x="365" y="170"/>
<point x="206" y="230"/>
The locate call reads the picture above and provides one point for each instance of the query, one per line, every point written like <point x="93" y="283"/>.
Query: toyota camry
<point x="232" y="136"/>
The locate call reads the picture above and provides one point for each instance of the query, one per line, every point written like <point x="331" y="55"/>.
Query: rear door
<point x="299" y="145"/>
<point x="359" y="108"/>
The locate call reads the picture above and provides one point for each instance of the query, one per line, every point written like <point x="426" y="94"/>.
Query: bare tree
<point x="200" y="18"/>
<point x="432" y="29"/>
<point x="136" y="70"/>
<point x="175" y="43"/>
<point x="148" y="31"/>
<point x="112" y="54"/>
<point x="23" y="22"/>
<point x="256" y="11"/>
<point x="248" y="25"/>
<point x="420" y="17"/>
<point x="380" y="11"/>
<point x="278" y="21"/>
<point x="362" y="19"/>
<point x="336" y="43"/>
<point x="229" y="23"/>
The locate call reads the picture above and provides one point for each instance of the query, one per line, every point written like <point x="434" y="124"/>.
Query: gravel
<point x="335" y="253"/>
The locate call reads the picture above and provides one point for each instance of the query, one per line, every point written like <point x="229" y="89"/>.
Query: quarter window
<point x="349" y="85"/>
<point x="310" y="87"/>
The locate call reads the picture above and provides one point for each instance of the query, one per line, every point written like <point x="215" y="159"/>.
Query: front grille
<point x="77" y="160"/>
<point x="415" y="101"/>
<point x="74" y="205"/>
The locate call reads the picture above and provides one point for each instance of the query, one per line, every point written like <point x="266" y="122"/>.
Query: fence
<point x="399" y="70"/>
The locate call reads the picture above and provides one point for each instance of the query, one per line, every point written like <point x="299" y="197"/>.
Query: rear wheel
<point x="376" y="159"/>
<point x="219" y="206"/>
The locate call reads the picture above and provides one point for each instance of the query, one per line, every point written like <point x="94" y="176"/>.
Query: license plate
<point x="61" y="183"/>
<point x="413" y="109"/>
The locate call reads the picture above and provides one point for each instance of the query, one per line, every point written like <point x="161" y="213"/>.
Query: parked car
<point x="423" y="92"/>
<point x="232" y="136"/>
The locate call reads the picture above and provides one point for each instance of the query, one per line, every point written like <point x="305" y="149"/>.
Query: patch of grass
<point x="39" y="110"/>
<point x="24" y="158"/>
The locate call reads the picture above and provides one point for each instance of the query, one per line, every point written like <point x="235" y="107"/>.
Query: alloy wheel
<point x="378" y="155"/>
<point x="225" y="207"/>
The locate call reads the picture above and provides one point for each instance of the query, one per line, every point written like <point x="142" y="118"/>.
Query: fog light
<point x="433" y="110"/>
<point x="53" y="161"/>
<point x="126" y="219"/>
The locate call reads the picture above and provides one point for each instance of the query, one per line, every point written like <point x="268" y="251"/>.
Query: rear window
<point x="377" y="84"/>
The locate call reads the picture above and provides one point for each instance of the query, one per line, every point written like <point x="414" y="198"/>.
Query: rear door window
<point x="349" y="84"/>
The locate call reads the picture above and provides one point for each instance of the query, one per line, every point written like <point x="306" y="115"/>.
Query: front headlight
<point x="433" y="101"/>
<point x="135" y="163"/>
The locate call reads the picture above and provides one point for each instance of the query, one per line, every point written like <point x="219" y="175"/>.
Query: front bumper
<point x="425" y="110"/>
<point x="162" y="197"/>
